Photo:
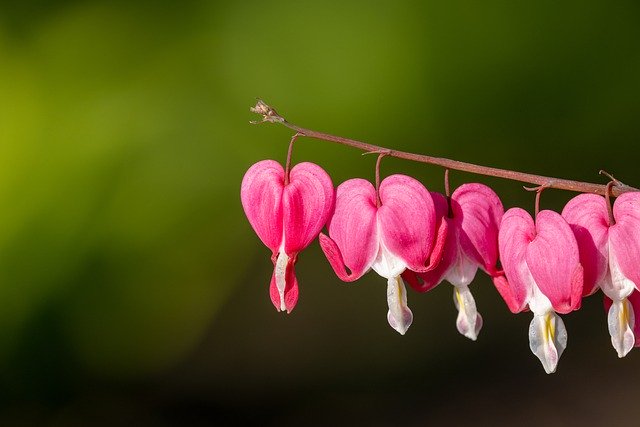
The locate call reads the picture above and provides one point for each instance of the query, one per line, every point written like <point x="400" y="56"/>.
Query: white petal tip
<point x="621" y="319"/>
<point x="399" y="315"/>
<point x="401" y="326"/>
<point x="469" y="321"/>
<point x="548" y="339"/>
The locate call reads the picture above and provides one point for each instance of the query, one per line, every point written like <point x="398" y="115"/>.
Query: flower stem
<point x="270" y="115"/>
<point x="287" y="166"/>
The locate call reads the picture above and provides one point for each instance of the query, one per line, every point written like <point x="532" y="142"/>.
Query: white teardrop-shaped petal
<point x="621" y="320"/>
<point x="548" y="339"/>
<point x="399" y="315"/>
<point x="281" y="272"/>
<point x="469" y="321"/>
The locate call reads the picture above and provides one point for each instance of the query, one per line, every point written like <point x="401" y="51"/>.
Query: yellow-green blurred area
<point x="132" y="288"/>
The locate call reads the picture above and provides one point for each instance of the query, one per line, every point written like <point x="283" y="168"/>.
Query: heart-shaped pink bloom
<point x="472" y="242"/>
<point x="610" y="255"/>
<point x="400" y="233"/>
<point x="287" y="218"/>
<point x="542" y="266"/>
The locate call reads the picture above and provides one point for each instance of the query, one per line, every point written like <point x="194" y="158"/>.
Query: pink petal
<point x="514" y="303"/>
<point x="517" y="230"/>
<point x="588" y="218"/>
<point x="624" y="236"/>
<point x="307" y="203"/>
<point x="290" y="290"/>
<point x="423" y="282"/>
<point x="407" y="220"/>
<point x="353" y="230"/>
<point x="554" y="261"/>
<point x="261" y="195"/>
<point x="477" y="211"/>
<point x="634" y="299"/>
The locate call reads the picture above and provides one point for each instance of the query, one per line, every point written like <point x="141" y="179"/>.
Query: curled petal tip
<point x="399" y="315"/>
<point x="469" y="321"/>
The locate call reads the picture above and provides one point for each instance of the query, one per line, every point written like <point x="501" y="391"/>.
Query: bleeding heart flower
<point x="287" y="217"/>
<point x="541" y="262"/>
<point x="610" y="254"/>
<point x="389" y="233"/>
<point x="472" y="241"/>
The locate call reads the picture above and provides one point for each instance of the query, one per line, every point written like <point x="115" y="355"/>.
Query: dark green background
<point x="132" y="288"/>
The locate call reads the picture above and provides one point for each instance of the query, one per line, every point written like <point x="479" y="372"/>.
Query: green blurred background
<point x="132" y="288"/>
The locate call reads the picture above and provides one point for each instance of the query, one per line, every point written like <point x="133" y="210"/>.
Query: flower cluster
<point x="405" y="233"/>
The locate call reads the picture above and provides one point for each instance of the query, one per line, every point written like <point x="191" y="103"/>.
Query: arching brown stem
<point x="270" y="115"/>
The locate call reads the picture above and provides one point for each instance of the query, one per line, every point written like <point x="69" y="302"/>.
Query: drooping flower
<point x="387" y="232"/>
<point x="541" y="262"/>
<point x="610" y="254"/>
<point x="630" y="306"/>
<point x="287" y="217"/>
<point x="472" y="242"/>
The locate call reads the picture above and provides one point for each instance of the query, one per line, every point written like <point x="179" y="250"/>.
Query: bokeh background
<point x="133" y="290"/>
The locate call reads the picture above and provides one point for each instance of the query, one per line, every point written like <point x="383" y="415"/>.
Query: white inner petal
<point x="547" y="339"/>
<point x="621" y="320"/>
<point x="538" y="302"/>
<point x="462" y="271"/>
<point x="281" y="274"/>
<point x="399" y="315"/>
<point x="469" y="321"/>
<point x="615" y="284"/>
<point x="386" y="263"/>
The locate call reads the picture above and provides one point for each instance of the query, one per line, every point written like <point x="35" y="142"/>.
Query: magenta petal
<point x="624" y="236"/>
<point x="353" y="230"/>
<point x="420" y="282"/>
<point x="505" y="290"/>
<point x="261" y="195"/>
<point x="554" y="261"/>
<point x="307" y="203"/>
<point x="407" y="220"/>
<point x="332" y="252"/>
<point x="291" y="288"/>
<point x="517" y="230"/>
<point x="477" y="211"/>
<point x="444" y="247"/>
<point x="634" y="299"/>
<point x="588" y="218"/>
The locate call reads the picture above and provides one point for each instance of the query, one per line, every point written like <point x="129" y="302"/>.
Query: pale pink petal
<point x="517" y="230"/>
<point x="554" y="262"/>
<point x="624" y="236"/>
<point x="261" y="195"/>
<point x="407" y="220"/>
<point x="353" y="230"/>
<point x="588" y="218"/>
<point x="308" y="201"/>
<point x="290" y="289"/>
<point x="478" y="211"/>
